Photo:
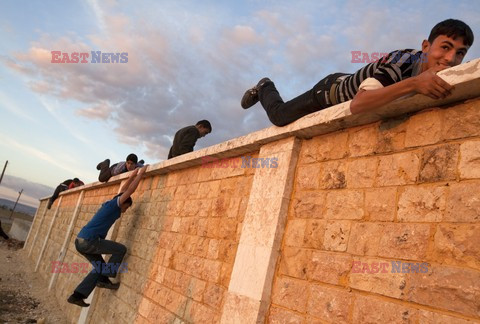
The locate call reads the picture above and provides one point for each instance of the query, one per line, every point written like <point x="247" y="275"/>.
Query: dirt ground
<point x="24" y="297"/>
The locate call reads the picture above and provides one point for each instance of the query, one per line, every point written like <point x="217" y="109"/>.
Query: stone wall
<point x="405" y="191"/>
<point x="367" y="218"/>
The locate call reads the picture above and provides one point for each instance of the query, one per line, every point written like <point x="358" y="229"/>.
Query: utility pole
<point x="1" y="177"/>
<point x="19" y="194"/>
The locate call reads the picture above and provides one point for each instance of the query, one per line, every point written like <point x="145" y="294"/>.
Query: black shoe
<point x="104" y="163"/>
<point x="251" y="95"/>
<point x="108" y="285"/>
<point x="77" y="301"/>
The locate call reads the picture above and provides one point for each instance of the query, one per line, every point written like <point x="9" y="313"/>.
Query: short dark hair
<point x="452" y="28"/>
<point x="205" y="123"/>
<point x="132" y="157"/>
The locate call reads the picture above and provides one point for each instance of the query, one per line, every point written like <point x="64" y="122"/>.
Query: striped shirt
<point x="395" y="67"/>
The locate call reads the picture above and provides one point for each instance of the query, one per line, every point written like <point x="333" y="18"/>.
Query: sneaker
<point x="77" y="301"/>
<point x="108" y="285"/>
<point x="105" y="163"/>
<point x="251" y="95"/>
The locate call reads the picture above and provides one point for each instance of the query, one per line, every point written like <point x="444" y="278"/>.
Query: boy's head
<point x="204" y="127"/>
<point x="447" y="44"/>
<point x="77" y="182"/>
<point x="131" y="162"/>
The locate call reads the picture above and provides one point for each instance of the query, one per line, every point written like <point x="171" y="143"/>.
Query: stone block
<point x="282" y="316"/>
<point x="439" y="163"/>
<point x="463" y="203"/>
<point x="376" y="276"/>
<point x="462" y="120"/>
<point x="458" y="245"/>
<point x="424" y="128"/>
<point x="398" y="169"/>
<point x="308" y="177"/>
<point x="332" y="175"/>
<point x="427" y="317"/>
<point x="239" y="309"/>
<point x="469" y="166"/>
<point x="391" y="135"/>
<point x="344" y="204"/>
<point x="380" y="204"/>
<point x="323" y="148"/>
<point x="336" y="236"/>
<point x="446" y="288"/>
<point x="314" y="233"/>
<point x="368" y="309"/>
<point x="405" y="241"/>
<point x="422" y="204"/>
<point x="363" y="140"/>
<point x="308" y="204"/>
<point x="295" y="232"/>
<point x="328" y="267"/>
<point x="365" y="238"/>
<point x="361" y="173"/>
<point x="295" y="262"/>
<point x="290" y="293"/>
<point x="213" y="295"/>
<point x="329" y="304"/>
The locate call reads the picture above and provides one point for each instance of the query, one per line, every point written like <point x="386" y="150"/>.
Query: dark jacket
<point x="184" y="141"/>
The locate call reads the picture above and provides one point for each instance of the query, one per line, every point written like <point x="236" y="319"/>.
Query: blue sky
<point x="187" y="60"/>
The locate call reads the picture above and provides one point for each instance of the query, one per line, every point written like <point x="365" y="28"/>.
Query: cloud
<point x="32" y="189"/>
<point x="188" y="62"/>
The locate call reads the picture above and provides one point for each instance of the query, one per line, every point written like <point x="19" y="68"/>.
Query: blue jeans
<point x="282" y="113"/>
<point x="93" y="250"/>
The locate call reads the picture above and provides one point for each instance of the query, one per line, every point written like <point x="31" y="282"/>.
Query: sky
<point x="188" y="60"/>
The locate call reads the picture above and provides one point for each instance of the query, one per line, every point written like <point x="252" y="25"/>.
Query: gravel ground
<point x="24" y="297"/>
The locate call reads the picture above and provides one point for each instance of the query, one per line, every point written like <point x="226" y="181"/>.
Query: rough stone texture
<point x="458" y="245"/>
<point x="373" y="310"/>
<point x="344" y="204"/>
<point x="448" y="288"/>
<point x="329" y="304"/>
<point x="322" y="148"/>
<point x="422" y="204"/>
<point x="469" y="166"/>
<point x="463" y="203"/>
<point x="332" y="175"/>
<point x="290" y="293"/>
<point x="405" y="241"/>
<point x="365" y="238"/>
<point x="439" y="163"/>
<point x="373" y="278"/>
<point x="361" y="173"/>
<point x="308" y="204"/>
<point x="336" y="235"/>
<point x="391" y="135"/>
<point x="424" y="128"/>
<point x="463" y="121"/>
<point x="380" y="204"/>
<point x="398" y="169"/>
<point x="363" y="140"/>
<point x="282" y="316"/>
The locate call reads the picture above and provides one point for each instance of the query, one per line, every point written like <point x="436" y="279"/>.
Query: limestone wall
<point x="367" y="218"/>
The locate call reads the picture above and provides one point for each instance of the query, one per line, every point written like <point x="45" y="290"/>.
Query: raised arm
<point x="132" y="183"/>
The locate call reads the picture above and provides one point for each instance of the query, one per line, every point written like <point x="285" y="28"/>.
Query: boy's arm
<point x="427" y="83"/>
<point x="132" y="183"/>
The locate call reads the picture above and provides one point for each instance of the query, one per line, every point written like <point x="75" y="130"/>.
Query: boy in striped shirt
<point x="400" y="73"/>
